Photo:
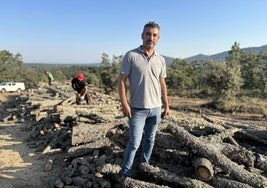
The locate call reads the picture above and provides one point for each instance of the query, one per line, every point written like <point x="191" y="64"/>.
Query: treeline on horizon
<point x="240" y="75"/>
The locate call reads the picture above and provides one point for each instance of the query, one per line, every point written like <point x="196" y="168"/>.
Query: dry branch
<point x="84" y="133"/>
<point x="203" y="168"/>
<point x="58" y="91"/>
<point x="253" y="135"/>
<point x="217" y="158"/>
<point x="130" y="183"/>
<point x="219" y="182"/>
<point x="207" y="123"/>
<point x="237" y="154"/>
<point x="220" y="136"/>
<point x="68" y="101"/>
<point x="161" y="174"/>
<point x="85" y="149"/>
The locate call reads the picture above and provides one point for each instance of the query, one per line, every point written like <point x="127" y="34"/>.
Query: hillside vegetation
<point x="229" y="86"/>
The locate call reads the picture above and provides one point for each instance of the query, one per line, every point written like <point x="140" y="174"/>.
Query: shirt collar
<point x="142" y="51"/>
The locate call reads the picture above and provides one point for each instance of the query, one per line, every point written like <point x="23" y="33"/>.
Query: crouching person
<point x="50" y="77"/>
<point x="81" y="90"/>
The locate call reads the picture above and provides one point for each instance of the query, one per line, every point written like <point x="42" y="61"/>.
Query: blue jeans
<point x="143" y="122"/>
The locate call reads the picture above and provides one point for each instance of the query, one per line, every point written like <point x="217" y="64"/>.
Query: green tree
<point x="198" y="74"/>
<point x="233" y="79"/>
<point x="255" y="72"/>
<point x="216" y="79"/>
<point x="263" y="73"/>
<point x="109" y="72"/>
<point x="10" y="66"/>
<point x="179" y="75"/>
<point x="251" y="69"/>
<point x="13" y="69"/>
<point x="105" y="60"/>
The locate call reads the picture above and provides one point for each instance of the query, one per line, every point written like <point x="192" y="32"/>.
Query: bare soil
<point x="21" y="166"/>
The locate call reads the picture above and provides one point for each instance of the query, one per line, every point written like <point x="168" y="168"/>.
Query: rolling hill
<point x="216" y="57"/>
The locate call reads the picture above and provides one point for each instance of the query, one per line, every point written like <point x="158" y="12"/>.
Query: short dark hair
<point x="152" y="25"/>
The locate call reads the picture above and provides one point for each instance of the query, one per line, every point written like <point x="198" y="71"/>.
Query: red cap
<point x="80" y="76"/>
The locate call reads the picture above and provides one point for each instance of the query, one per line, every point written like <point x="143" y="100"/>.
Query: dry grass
<point x="243" y="105"/>
<point x="249" y="110"/>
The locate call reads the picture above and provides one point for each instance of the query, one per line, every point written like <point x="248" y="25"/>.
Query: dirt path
<point x="20" y="166"/>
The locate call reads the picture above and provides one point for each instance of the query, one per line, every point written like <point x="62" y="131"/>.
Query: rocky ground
<point x="86" y="144"/>
<point x="20" y="165"/>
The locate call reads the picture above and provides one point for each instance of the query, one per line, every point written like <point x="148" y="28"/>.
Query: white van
<point x="12" y="86"/>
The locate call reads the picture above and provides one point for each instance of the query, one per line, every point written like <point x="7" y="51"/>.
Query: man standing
<point x="80" y="87"/>
<point x="146" y="71"/>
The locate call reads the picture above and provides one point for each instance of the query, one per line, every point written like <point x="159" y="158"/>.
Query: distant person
<point x="80" y="87"/>
<point x="49" y="77"/>
<point x="146" y="71"/>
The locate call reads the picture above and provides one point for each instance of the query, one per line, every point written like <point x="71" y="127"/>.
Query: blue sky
<point x="79" y="31"/>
